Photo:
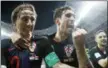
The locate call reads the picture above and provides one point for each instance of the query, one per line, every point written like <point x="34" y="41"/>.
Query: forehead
<point x="27" y="12"/>
<point x="68" y="11"/>
<point x="101" y="34"/>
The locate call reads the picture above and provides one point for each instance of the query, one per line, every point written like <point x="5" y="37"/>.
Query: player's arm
<point x="62" y="65"/>
<point x="4" y="46"/>
<point x="103" y="62"/>
<point x="95" y="57"/>
<point x="79" y="42"/>
<point x="53" y="61"/>
<point x="51" y="58"/>
<point x="3" y="59"/>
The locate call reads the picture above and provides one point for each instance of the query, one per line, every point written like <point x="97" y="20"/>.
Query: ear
<point x="14" y="27"/>
<point x="57" y="21"/>
<point x="95" y="39"/>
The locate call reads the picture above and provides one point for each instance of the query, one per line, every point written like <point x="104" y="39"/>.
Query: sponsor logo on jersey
<point x="68" y="60"/>
<point x="33" y="57"/>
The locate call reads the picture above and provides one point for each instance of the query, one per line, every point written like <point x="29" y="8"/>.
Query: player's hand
<point x="19" y="42"/>
<point x="78" y="36"/>
<point x="3" y="66"/>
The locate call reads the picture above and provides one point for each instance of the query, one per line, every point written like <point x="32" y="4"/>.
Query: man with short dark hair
<point x="68" y="41"/>
<point x="99" y="53"/>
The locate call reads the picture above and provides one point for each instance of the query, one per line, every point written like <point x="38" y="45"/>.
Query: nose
<point x="104" y="38"/>
<point x="72" y="18"/>
<point x="29" y="22"/>
<point x="71" y="21"/>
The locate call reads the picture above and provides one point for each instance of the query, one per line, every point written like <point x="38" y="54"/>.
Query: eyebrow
<point x="71" y="14"/>
<point x="31" y="14"/>
<point x="26" y="13"/>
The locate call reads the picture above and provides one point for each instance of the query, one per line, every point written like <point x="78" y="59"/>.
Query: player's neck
<point x="27" y="36"/>
<point x="101" y="47"/>
<point x="59" y="37"/>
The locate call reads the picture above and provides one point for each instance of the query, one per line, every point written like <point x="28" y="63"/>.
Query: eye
<point x="68" y="15"/>
<point x="32" y="18"/>
<point x="105" y="36"/>
<point x="100" y="36"/>
<point x="24" y="18"/>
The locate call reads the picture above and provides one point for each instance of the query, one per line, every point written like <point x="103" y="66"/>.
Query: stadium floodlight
<point x="86" y="8"/>
<point x="5" y="33"/>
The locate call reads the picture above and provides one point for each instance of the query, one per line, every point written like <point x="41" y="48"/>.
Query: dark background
<point x="95" y="20"/>
<point x="44" y="10"/>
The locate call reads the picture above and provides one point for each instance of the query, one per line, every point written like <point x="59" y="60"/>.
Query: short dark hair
<point x="99" y="31"/>
<point x="58" y="12"/>
<point x="19" y="8"/>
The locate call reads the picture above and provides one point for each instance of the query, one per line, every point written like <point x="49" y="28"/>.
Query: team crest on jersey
<point x="33" y="47"/>
<point x="33" y="56"/>
<point x="68" y="50"/>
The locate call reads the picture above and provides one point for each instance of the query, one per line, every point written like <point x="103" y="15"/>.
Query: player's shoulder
<point x="43" y="40"/>
<point x="93" y="50"/>
<point x="40" y="38"/>
<point x="5" y="43"/>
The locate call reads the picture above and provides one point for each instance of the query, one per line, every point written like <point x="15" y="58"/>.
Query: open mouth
<point x="27" y="28"/>
<point x="70" y="26"/>
<point x="104" y="41"/>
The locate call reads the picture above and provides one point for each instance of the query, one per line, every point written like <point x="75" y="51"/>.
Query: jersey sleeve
<point x="106" y="48"/>
<point x="4" y="51"/>
<point x="95" y="57"/>
<point x="4" y="43"/>
<point x="49" y="55"/>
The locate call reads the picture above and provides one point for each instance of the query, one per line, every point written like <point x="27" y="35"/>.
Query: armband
<point x="51" y="59"/>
